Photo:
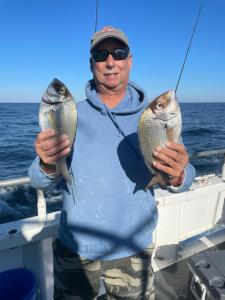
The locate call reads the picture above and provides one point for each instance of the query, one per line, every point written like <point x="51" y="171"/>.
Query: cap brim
<point x="102" y="38"/>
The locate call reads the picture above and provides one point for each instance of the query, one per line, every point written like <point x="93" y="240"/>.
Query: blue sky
<point x="44" y="39"/>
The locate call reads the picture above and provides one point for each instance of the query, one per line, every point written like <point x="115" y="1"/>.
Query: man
<point x="107" y="217"/>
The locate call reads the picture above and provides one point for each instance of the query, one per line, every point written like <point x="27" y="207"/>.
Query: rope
<point x="193" y="32"/>
<point x="96" y="15"/>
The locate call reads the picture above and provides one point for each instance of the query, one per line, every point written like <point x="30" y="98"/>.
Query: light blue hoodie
<point x="106" y="212"/>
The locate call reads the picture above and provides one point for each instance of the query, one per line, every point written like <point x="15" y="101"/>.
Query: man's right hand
<point x="50" y="148"/>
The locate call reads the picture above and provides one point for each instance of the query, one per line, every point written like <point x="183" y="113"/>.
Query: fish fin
<point x="170" y="134"/>
<point x="156" y="179"/>
<point x="62" y="169"/>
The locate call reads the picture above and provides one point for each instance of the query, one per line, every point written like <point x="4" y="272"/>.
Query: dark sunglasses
<point x="117" y="54"/>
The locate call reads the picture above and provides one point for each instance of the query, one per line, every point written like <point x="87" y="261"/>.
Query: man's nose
<point x="110" y="62"/>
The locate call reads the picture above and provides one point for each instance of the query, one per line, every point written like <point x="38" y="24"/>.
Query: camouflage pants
<point x="76" y="278"/>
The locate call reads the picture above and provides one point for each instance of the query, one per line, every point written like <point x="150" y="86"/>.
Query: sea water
<point x="203" y="129"/>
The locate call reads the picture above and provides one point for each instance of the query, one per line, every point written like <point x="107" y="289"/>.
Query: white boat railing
<point x="216" y="152"/>
<point x="41" y="203"/>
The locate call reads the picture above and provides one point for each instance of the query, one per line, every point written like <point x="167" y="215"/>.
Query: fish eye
<point x="62" y="90"/>
<point x="159" y="105"/>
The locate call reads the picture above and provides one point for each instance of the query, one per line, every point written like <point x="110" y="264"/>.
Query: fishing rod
<point x="189" y="46"/>
<point x="96" y="15"/>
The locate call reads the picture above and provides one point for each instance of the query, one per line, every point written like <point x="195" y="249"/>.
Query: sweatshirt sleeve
<point x="41" y="180"/>
<point x="189" y="176"/>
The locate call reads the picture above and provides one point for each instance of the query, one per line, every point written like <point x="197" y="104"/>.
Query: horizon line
<point x="187" y="102"/>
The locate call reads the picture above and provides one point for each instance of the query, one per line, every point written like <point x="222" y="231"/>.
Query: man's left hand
<point x="171" y="159"/>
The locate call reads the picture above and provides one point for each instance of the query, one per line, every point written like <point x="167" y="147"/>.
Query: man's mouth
<point x="111" y="74"/>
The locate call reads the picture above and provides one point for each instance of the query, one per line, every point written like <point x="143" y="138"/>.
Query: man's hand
<point x="171" y="159"/>
<point x="50" y="148"/>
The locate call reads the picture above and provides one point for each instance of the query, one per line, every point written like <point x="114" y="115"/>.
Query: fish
<point x="58" y="111"/>
<point x="159" y="123"/>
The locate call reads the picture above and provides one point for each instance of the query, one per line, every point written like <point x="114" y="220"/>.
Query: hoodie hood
<point x="134" y="100"/>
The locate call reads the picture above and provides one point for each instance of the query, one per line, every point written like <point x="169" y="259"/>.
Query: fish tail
<point x="62" y="169"/>
<point x="156" y="179"/>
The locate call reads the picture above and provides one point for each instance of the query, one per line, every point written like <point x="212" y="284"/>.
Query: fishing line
<point x="193" y="32"/>
<point x="96" y="16"/>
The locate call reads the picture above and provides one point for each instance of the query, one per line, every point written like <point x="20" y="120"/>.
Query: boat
<point x="183" y="230"/>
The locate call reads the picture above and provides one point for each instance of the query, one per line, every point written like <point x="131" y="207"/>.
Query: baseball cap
<point x="108" y="32"/>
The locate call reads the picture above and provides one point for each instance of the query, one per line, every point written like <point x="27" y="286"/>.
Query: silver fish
<point x="160" y="122"/>
<point x="58" y="111"/>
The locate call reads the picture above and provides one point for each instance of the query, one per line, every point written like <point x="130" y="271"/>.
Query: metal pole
<point x="208" y="153"/>
<point x="14" y="182"/>
<point x="41" y="206"/>
<point x="223" y="168"/>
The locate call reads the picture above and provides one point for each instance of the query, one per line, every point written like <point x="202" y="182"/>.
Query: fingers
<point x="45" y="135"/>
<point x="56" y="146"/>
<point x="173" y="171"/>
<point x="174" y="151"/>
<point x="54" y="158"/>
<point x="176" y="147"/>
<point x="171" y="159"/>
<point x="51" y="147"/>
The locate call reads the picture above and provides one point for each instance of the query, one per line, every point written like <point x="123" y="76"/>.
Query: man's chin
<point x="111" y="86"/>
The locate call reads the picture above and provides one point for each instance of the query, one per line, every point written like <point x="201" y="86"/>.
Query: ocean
<point x="203" y="129"/>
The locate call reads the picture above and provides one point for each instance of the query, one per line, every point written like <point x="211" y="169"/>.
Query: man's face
<point x="111" y="75"/>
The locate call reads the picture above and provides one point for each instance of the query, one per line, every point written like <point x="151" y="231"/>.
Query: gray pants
<point x="77" y="278"/>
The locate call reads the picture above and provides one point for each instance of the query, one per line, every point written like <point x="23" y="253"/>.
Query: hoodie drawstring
<point x="113" y="119"/>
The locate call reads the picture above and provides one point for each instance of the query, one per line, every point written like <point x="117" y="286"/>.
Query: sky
<point x="46" y="39"/>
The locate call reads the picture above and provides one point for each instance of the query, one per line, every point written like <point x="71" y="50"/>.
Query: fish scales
<point x="63" y="114"/>
<point x="160" y="122"/>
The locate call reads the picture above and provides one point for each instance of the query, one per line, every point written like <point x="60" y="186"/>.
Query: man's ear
<point x="91" y="64"/>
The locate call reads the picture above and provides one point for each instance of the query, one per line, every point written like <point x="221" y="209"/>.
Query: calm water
<point x="203" y="129"/>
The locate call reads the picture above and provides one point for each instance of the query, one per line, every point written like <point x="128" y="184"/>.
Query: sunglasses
<point x="117" y="54"/>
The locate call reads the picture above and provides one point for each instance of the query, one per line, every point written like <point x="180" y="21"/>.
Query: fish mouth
<point x="51" y="99"/>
